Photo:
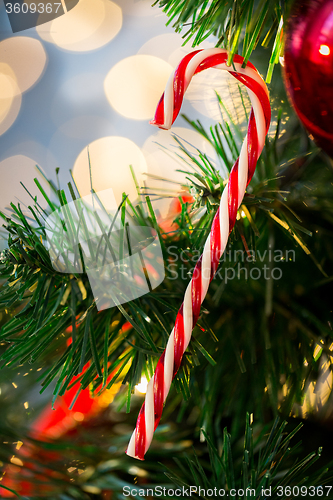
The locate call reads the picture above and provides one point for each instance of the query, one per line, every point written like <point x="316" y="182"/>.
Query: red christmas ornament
<point x="308" y="68"/>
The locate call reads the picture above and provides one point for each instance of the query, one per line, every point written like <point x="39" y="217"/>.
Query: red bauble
<point x="308" y="60"/>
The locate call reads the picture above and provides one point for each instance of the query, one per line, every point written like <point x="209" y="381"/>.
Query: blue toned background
<point x="93" y="77"/>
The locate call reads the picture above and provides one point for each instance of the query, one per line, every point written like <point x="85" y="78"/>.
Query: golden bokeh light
<point x="10" y="101"/>
<point x="8" y="82"/>
<point x="141" y="387"/>
<point x="134" y="85"/>
<point x="78" y="416"/>
<point x="90" y="25"/>
<point x="25" y="58"/>
<point x="110" y="158"/>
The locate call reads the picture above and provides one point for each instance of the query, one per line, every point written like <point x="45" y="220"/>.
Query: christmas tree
<point x="249" y="412"/>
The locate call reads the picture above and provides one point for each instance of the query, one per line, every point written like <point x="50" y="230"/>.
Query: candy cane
<point x="223" y="223"/>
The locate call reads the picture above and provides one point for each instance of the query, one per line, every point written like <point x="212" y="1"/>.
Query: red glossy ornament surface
<point x="309" y="67"/>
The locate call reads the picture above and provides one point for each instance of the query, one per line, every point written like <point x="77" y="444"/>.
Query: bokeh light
<point x="25" y="57"/>
<point x="141" y="387"/>
<point x="324" y="50"/>
<point x="90" y="25"/>
<point x="9" y="87"/>
<point x="110" y="158"/>
<point x="134" y="85"/>
<point x="10" y="100"/>
<point x="7" y="95"/>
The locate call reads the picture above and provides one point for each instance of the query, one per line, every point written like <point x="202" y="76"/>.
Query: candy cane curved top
<point x="241" y="173"/>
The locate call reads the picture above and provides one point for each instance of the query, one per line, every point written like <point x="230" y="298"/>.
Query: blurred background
<point x="87" y="84"/>
<point x="91" y="79"/>
<point x="76" y="97"/>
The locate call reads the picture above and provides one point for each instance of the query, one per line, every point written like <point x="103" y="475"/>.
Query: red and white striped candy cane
<point x="223" y="223"/>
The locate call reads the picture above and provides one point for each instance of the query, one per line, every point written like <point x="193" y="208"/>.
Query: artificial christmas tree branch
<point x="45" y="307"/>
<point x="263" y="342"/>
<point x="45" y="304"/>
<point x="82" y="465"/>
<point x="239" y="25"/>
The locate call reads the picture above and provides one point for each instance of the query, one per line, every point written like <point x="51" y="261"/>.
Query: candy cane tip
<point x="135" y="456"/>
<point x="159" y="125"/>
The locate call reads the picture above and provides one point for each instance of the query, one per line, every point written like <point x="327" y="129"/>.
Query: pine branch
<point x="239" y="25"/>
<point x="270" y="466"/>
<point x="52" y="316"/>
<point x="89" y="462"/>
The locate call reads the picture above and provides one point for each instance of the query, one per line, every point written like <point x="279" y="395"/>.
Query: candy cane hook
<point x="167" y="111"/>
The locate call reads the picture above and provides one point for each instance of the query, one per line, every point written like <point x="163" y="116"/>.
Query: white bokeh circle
<point x="88" y="26"/>
<point x="134" y="85"/>
<point x="26" y="58"/>
<point x="10" y="98"/>
<point x="110" y="160"/>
